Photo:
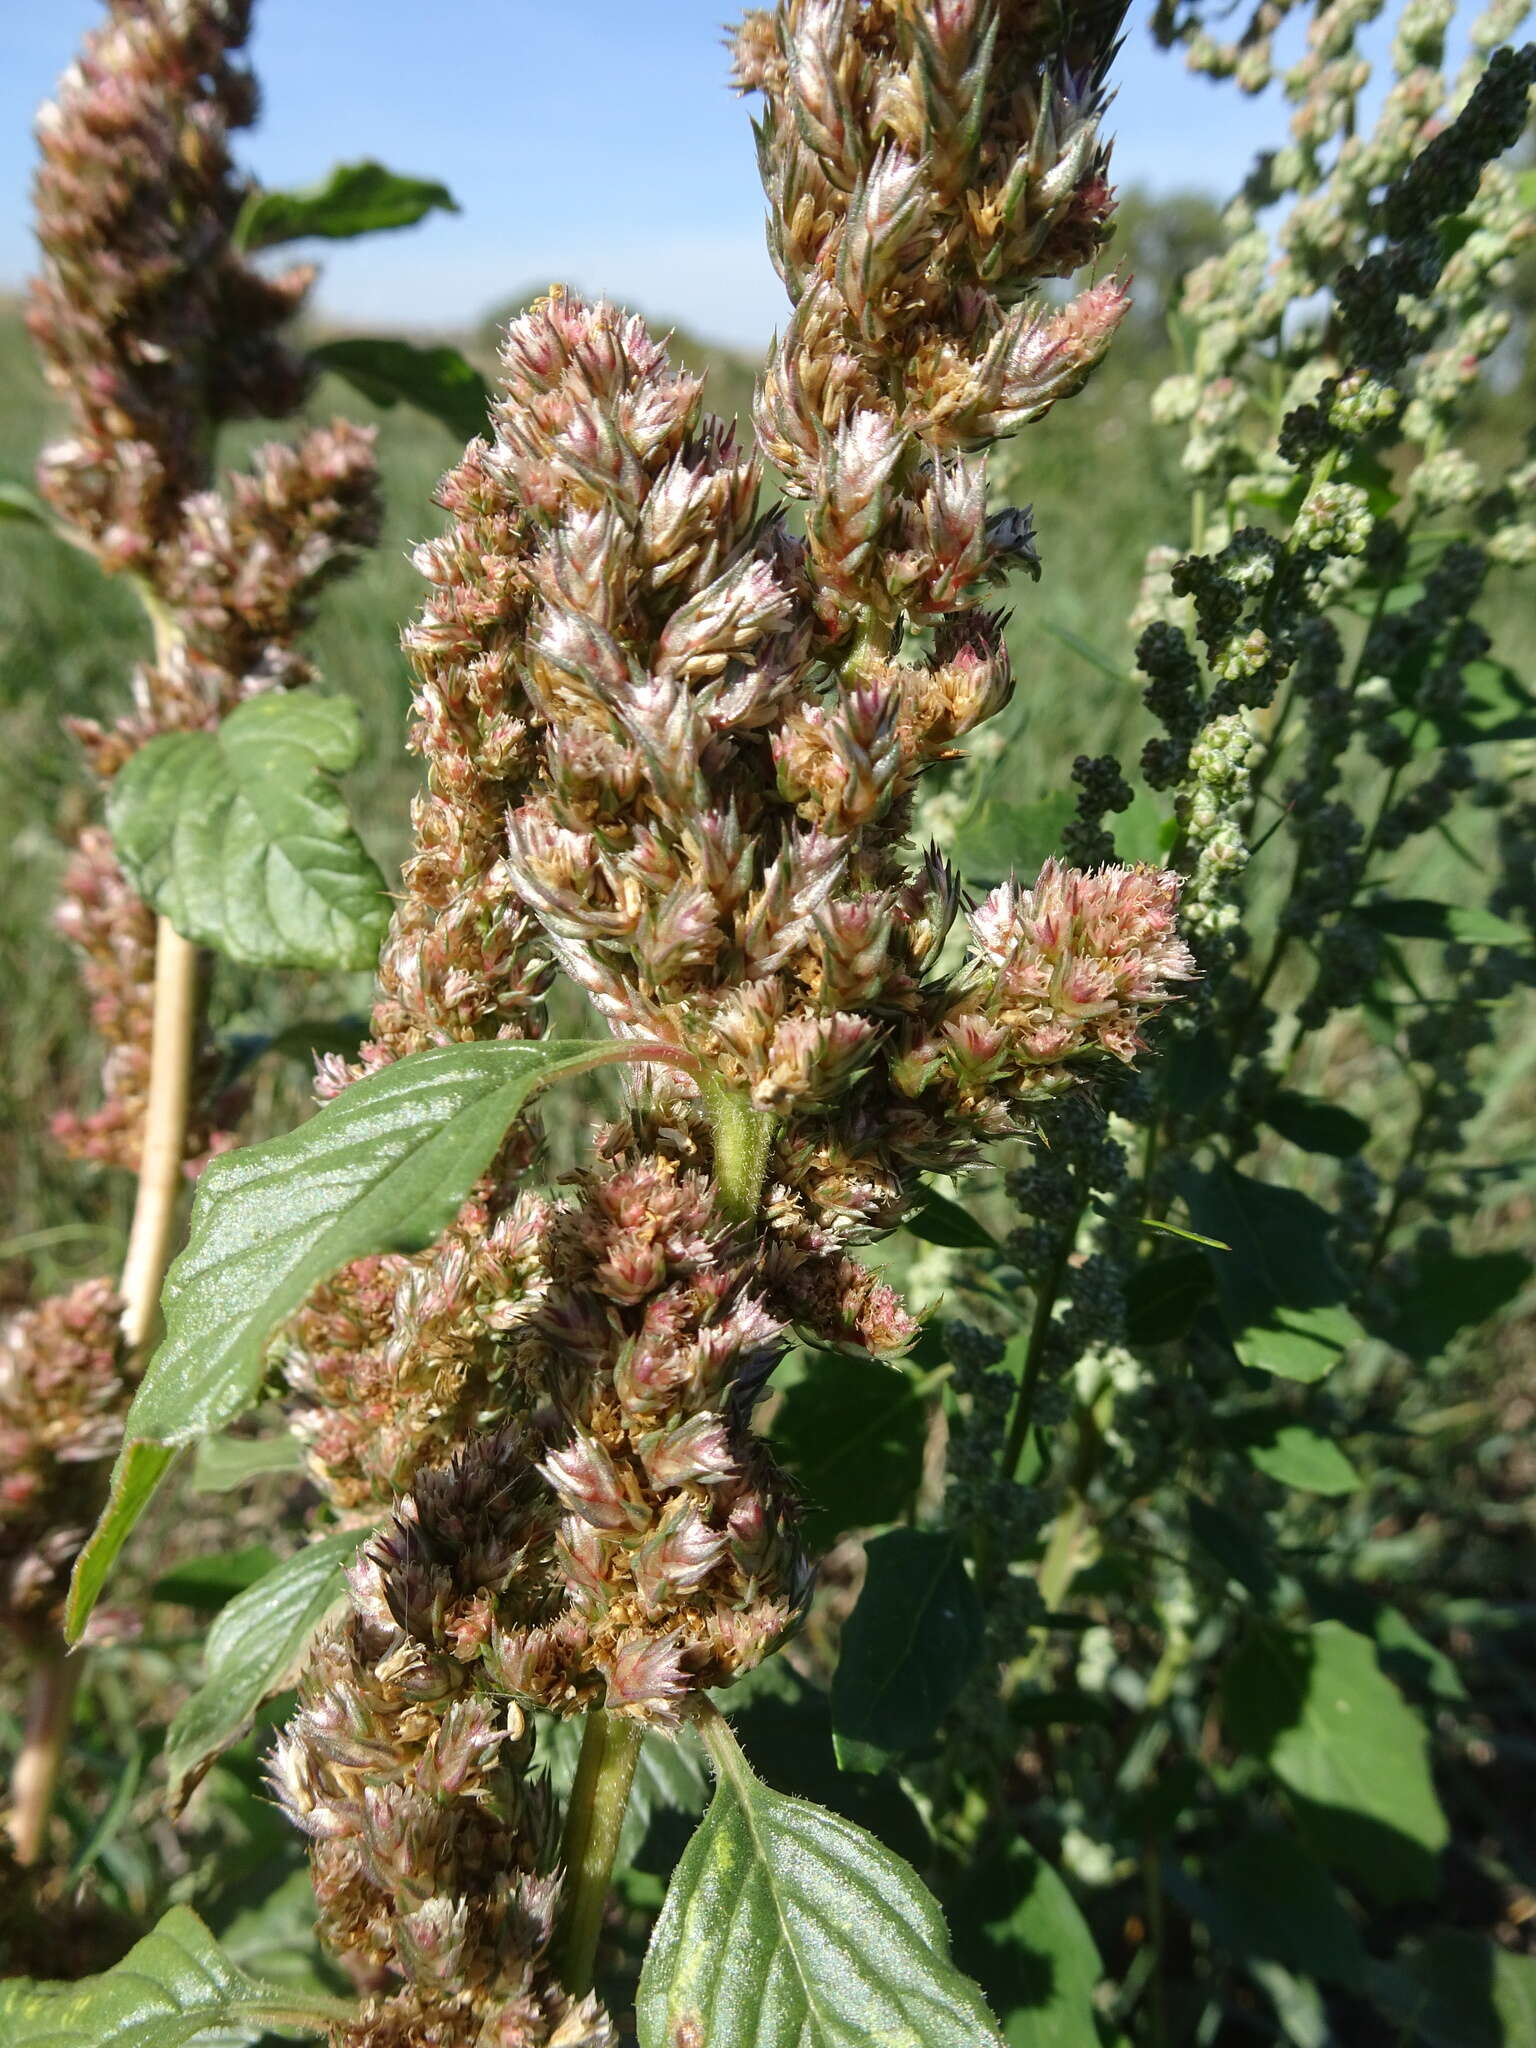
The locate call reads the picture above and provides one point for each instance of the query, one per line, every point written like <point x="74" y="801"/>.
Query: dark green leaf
<point x="1495" y="705"/>
<point x="1459" y="1990"/>
<point x="1165" y="1295"/>
<point x="301" y="1041"/>
<point x="276" y="1937"/>
<point x="1019" y="1932"/>
<point x="1449" y="1292"/>
<point x="1315" y="1126"/>
<point x="210" y="1583"/>
<point x="222" y="1464"/>
<point x="242" y="841"/>
<point x="1237" y="1546"/>
<point x="1315" y="1706"/>
<point x="255" y="1648"/>
<point x="1299" y="1457"/>
<point x="1415" y="917"/>
<point x="938" y="1220"/>
<point x="787" y="1927"/>
<point x="851" y="1435"/>
<point x="20" y="501"/>
<point x="908" y="1647"/>
<point x="356" y="199"/>
<point x="1411" y="1661"/>
<point x="1192" y="1071"/>
<point x="1280" y="1290"/>
<point x="1265" y="1895"/>
<point x="174" y="1986"/>
<point x="438" y="380"/>
<point x="786" y="1726"/>
<point x="385" y="1167"/>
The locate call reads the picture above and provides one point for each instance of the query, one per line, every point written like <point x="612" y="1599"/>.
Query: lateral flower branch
<point x="153" y="333"/>
<point x="671" y="750"/>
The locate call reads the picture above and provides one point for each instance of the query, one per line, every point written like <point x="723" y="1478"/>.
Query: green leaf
<point x="1413" y="1663"/>
<point x="1496" y="705"/>
<point x="1019" y="1932"/>
<point x="172" y="1987"/>
<point x="1299" y="1457"/>
<point x="1161" y="1229"/>
<point x="211" y="1582"/>
<point x="1280" y="1291"/>
<point x="1459" y="1990"/>
<point x="1316" y="1707"/>
<point x="223" y="1464"/>
<point x="1315" y="1126"/>
<point x="356" y="199"/>
<point x="275" y="1936"/>
<point x="1164" y="1296"/>
<point x="1454" y="1291"/>
<point x="908" y="1647"/>
<point x="851" y="1434"/>
<point x="1238" y="1547"/>
<point x="1265" y="1895"/>
<point x="438" y="380"/>
<point x="786" y="1725"/>
<point x="255" y="1649"/>
<point x="938" y="1220"/>
<point x="384" y="1167"/>
<point x="20" y="501"/>
<point x="1415" y="917"/>
<point x="1144" y="831"/>
<point x="1298" y="1344"/>
<point x="788" y="1927"/>
<point x="242" y="841"/>
<point x="139" y="1469"/>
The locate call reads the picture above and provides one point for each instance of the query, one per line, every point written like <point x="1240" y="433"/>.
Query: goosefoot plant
<point x="223" y="836"/>
<point x="671" y="749"/>
<point x="1338" y="765"/>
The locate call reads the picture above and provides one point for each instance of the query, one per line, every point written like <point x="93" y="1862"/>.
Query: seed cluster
<point x="154" y="331"/>
<point x="672" y="746"/>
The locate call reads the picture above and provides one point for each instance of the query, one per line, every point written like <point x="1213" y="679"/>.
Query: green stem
<point x="610" y="1747"/>
<point x="743" y="1138"/>
<point x="610" y="1744"/>
<point x="1152" y="1879"/>
<point x="1063" y="1554"/>
<point x="1034" y="1358"/>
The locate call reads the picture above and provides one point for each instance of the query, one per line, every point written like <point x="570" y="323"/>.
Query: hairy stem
<point x="610" y="1747"/>
<point x="743" y="1137"/>
<point x="172" y="1046"/>
<point x="50" y="1705"/>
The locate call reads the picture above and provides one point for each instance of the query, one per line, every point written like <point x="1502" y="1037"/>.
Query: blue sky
<point x="592" y="141"/>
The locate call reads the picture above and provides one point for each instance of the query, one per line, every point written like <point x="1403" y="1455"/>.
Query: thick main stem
<point x="742" y="1137"/>
<point x="50" y="1705"/>
<point x="610" y="1748"/>
<point x="174" y="1031"/>
<point x="165" y="1134"/>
